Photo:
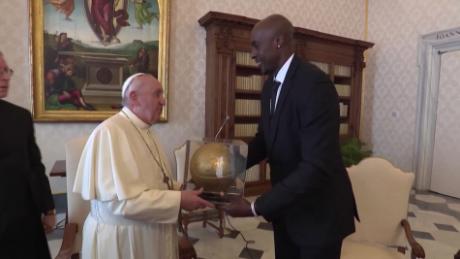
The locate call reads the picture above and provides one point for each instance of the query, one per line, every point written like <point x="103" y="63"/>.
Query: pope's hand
<point x="190" y="200"/>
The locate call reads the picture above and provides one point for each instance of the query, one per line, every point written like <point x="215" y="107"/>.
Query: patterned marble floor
<point x="435" y="221"/>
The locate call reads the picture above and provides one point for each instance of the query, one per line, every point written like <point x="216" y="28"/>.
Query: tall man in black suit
<point x="311" y="204"/>
<point x="26" y="203"/>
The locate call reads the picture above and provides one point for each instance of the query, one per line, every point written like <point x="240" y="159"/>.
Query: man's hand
<point x="189" y="200"/>
<point x="239" y="208"/>
<point x="49" y="221"/>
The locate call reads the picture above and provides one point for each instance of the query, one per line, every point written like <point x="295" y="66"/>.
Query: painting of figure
<point x="89" y="48"/>
<point x="106" y="18"/>
<point x="144" y="13"/>
<point x="64" y="6"/>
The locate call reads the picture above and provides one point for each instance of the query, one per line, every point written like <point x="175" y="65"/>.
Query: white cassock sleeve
<point x="152" y="206"/>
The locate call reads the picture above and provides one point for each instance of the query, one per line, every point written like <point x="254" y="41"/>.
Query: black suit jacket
<point x="311" y="193"/>
<point x="24" y="188"/>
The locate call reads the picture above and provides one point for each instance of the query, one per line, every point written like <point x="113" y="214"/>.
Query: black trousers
<point x="24" y="238"/>
<point x="285" y="248"/>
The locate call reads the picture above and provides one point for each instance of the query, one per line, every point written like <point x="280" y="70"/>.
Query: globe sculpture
<point x="217" y="166"/>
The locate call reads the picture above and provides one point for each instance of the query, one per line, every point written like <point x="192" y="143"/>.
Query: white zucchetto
<point x="128" y="82"/>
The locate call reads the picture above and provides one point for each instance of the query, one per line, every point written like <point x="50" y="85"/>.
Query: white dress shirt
<point x="280" y="76"/>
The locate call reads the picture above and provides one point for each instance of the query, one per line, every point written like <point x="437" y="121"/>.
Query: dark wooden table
<point x="58" y="169"/>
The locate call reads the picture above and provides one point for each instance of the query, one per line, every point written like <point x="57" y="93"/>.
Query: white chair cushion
<point x="382" y="197"/>
<point x="360" y="250"/>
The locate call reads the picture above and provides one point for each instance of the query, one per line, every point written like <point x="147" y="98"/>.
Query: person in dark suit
<point x="26" y="203"/>
<point x="311" y="203"/>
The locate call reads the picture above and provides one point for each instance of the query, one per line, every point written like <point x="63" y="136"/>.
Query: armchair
<point x="184" y="177"/>
<point x="382" y="197"/>
<point x="77" y="208"/>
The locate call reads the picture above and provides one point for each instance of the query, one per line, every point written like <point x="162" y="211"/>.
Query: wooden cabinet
<point x="233" y="82"/>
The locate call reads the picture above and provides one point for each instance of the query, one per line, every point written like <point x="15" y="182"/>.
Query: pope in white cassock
<point x="124" y="173"/>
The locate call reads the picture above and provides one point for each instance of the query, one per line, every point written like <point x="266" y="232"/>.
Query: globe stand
<point x="219" y="198"/>
<point x="215" y="198"/>
<point x="219" y="167"/>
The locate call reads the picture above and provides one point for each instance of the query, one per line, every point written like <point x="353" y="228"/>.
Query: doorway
<point x="445" y="172"/>
<point x="437" y="155"/>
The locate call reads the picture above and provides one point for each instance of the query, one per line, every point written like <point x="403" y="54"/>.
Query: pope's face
<point x="5" y="76"/>
<point x="150" y="99"/>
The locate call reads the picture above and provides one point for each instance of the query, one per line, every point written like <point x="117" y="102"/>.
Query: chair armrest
<point x="70" y="234"/>
<point x="416" y="248"/>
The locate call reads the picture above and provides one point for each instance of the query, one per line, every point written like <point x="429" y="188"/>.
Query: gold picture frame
<point x="79" y="60"/>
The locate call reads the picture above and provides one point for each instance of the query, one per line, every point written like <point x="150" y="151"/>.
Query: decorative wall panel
<point x="390" y="93"/>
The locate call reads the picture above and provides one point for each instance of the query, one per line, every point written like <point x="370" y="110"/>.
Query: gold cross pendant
<point x="166" y="181"/>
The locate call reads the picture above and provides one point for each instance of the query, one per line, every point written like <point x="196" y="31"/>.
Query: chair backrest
<point x="382" y="197"/>
<point x="77" y="208"/>
<point x="181" y="155"/>
<point x="182" y="162"/>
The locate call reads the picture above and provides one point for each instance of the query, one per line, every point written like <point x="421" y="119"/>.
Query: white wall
<point x="390" y="94"/>
<point x="187" y="60"/>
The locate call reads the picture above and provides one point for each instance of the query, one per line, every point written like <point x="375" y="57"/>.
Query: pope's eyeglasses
<point x="6" y="72"/>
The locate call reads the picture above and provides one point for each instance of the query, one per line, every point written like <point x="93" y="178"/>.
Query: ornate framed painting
<point x="83" y="50"/>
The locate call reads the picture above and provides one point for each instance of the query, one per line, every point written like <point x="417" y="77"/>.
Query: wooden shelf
<point x="247" y="70"/>
<point x="344" y="99"/>
<point x="346" y="80"/>
<point x="253" y="68"/>
<point x="246" y="119"/>
<point x="247" y="94"/>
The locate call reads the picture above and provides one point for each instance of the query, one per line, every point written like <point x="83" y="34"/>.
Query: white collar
<point x="281" y="75"/>
<point x="133" y="117"/>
